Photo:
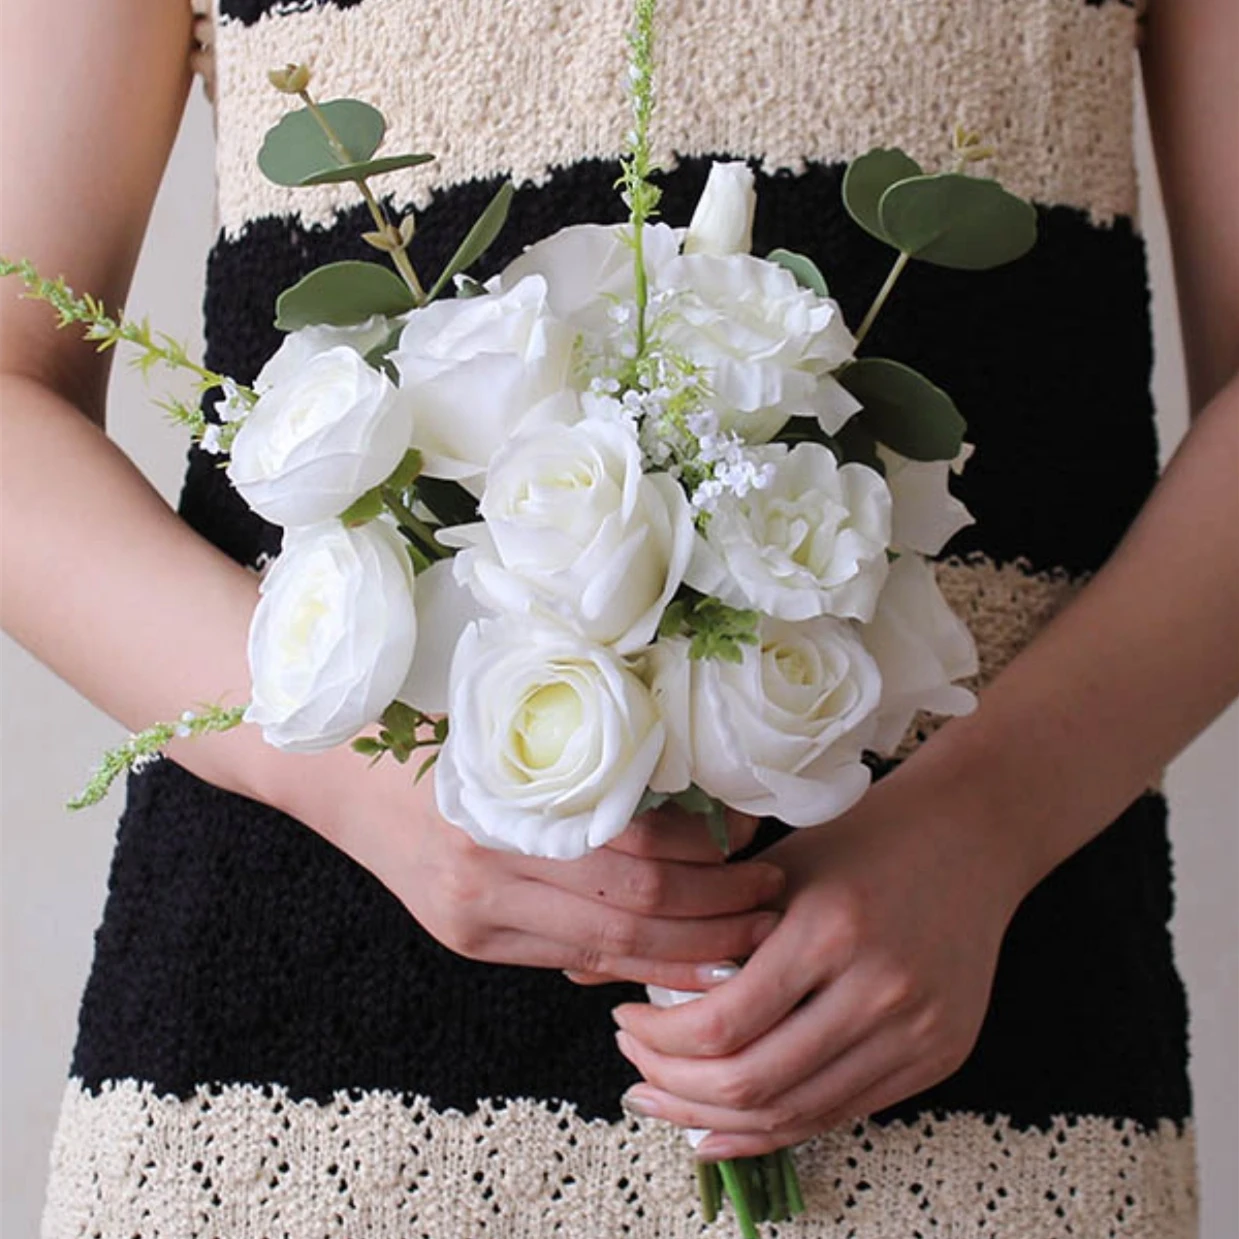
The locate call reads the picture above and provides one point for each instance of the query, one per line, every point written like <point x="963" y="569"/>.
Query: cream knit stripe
<point x="524" y="88"/>
<point x="250" y="1163"/>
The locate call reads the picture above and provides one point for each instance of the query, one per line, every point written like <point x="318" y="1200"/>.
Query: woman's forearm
<point x="1145" y="657"/>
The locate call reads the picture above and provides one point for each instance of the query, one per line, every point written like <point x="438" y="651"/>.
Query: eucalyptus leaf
<point x="804" y="269"/>
<point x="952" y="220"/>
<point x="868" y="178"/>
<point x="296" y="148"/>
<point x="480" y="236"/>
<point x="377" y="356"/>
<point x="448" y="500"/>
<point x="903" y="409"/>
<point x="340" y="294"/>
<point x="857" y="446"/>
<point x="369" y="167"/>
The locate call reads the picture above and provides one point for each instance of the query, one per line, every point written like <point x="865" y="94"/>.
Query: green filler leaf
<point x="868" y="178"/>
<point x="903" y="409"/>
<point x="479" y="238"/>
<point x="804" y="269"/>
<point x="370" y="167"/>
<point x="296" y="149"/>
<point x="340" y="294"/>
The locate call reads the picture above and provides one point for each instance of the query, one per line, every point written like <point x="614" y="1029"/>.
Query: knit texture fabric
<point x="270" y="1046"/>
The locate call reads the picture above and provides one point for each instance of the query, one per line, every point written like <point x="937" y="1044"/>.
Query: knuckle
<point x="715" y="1035"/>
<point x="779" y="1118"/>
<point x="617" y="935"/>
<point x="645" y="887"/>
<point x="895" y="991"/>
<point x="590" y="961"/>
<point x="840" y="928"/>
<point x="738" y="1089"/>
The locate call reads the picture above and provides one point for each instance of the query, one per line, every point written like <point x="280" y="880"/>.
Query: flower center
<point x="547" y="720"/>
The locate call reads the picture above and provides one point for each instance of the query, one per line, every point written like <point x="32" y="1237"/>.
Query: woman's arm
<point x="107" y="586"/>
<point x="876" y="982"/>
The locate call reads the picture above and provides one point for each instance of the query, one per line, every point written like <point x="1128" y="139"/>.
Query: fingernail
<point x="643" y="1107"/>
<point x="716" y="974"/>
<point x="764" y="927"/>
<point x="620" y="1016"/>
<point x="624" y="1041"/>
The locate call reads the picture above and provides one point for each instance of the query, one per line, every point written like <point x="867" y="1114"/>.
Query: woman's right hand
<point x="656" y="906"/>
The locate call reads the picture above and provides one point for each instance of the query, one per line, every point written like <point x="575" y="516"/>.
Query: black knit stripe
<point x="1048" y="358"/>
<point x="239" y="947"/>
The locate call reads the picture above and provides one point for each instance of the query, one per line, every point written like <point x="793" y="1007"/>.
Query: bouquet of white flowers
<point x="630" y="522"/>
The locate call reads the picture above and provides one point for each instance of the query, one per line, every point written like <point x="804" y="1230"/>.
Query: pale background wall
<point x="55" y="866"/>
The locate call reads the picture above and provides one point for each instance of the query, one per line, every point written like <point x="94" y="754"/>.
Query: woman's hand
<point x="873" y="986"/>
<point x="654" y="907"/>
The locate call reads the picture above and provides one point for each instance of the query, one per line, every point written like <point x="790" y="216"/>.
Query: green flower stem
<point x="776" y="1193"/>
<point x="880" y="300"/>
<point x="791" y="1183"/>
<point x="427" y="541"/>
<point x="732" y="1174"/>
<point x="399" y="255"/>
<point x="709" y="1189"/>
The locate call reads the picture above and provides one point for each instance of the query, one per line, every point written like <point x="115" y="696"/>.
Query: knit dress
<point x="270" y="1047"/>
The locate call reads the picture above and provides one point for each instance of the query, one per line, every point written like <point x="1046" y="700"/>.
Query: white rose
<point x="723" y="220"/>
<point x="925" y="515"/>
<point x="299" y="346"/>
<point x="589" y="271"/>
<point x="445" y="608"/>
<point x="552" y="743"/>
<point x="812" y="542"/>
<point x="319" y="439"/>
<point x="767" y="345"/>
<point x="333" y="635"/>
<point x="921" y="646"/>
<point x="575" y="532"/>
<point x="479" y="370"/>
<point x="781" y="732"/>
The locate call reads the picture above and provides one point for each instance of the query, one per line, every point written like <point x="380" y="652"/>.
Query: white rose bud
<point x="333" y="635"/>
<point x="812" y="542"/>
<point x="552" y="744"/>
<point x="781" y="732"/>
<point x="723" y="220"/>
<point x="479" y="370"/>
<point x="574" y="532"/>
<point x="921" y="646"/>
<point x="925" y="515"/>
<point x="319" y="439"/>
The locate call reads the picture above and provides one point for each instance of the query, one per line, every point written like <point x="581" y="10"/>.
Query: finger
<point x="670" y="975"/>
<point x="670" y="833"/>
<point x="600" y="933"/>
<point x="659" y="887"/>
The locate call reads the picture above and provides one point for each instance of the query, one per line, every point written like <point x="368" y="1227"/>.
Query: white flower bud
<point x="723" y="221"/>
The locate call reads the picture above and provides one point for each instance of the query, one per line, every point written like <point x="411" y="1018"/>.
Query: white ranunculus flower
<point x="333" y="635"/>
<point x="299" y="346"/>
<point x="925" y="515"/>
<point x="723" y="220"/>
<point x="319" y="439"/>
<point x="812" y="542"/>
<point x="920" y="646"/>
<point x="779" y="733"/>
<point x="552" y="743"/>
<point x="573" y="531"/>
<point x="767" y="346"/>
<point x="589" y="271"/>
<point x="479" y="370"/>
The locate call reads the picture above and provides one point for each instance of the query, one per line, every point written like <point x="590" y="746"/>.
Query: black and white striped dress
<point x="271" y="1047"/>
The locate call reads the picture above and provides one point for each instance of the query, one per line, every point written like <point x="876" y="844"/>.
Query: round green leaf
<point x="296" y="148"/>
<point x="867" y="178"/>
<point x="804" y="269"/>
<point x="957" y="221"/>
<point x="903" y="409"/>
<point x="370" y="167"/>
<point x="340" y="294"/>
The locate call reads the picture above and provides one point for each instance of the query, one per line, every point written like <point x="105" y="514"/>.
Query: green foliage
<point x="479" y="238"/>
<point x="404" y="731"/>
<point x="297" y="149"/>
<point x="957" y="221"/>
<point x="903" y="409"/>
<point x="366" y="168"/>
<point x="804" y="269"/>
<point x="340" y="294"/>
<point x="145" y="746"/>
<point x="714" y="629"/>
<point x="867" y="178"/>
<point x="855" y="445"/>
<point x="449" y="501"/>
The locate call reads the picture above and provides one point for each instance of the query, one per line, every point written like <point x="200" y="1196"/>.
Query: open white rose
<point x="589" y="271"/>
<point x="299" y="346"/>
<point x="767" y="346"/>
<point x="925" y="515"/>
<point x="552" y="743"/>
<point x="319" y="439"/>
<point x="333" y="635"/>
<point x="921" y="646"/>
<point x="812" y="542"/>
<point x="779" y="733"/>
<point x="479" y="370"/>
<point x="575" y="532"/>
<point x="723" y="220"/>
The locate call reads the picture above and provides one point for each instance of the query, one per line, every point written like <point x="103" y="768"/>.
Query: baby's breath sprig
<point x="144" y="747"/>
<point x="154" y="348"/>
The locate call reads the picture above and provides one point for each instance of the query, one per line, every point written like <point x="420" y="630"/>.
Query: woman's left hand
<point x="872" y="988"/>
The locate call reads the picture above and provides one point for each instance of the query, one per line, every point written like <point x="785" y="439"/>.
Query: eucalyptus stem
<point x="404" y="516"/>
<point x="709" y="1189"/>
<point x="738" y="1194"/>
<point x="399" y="256"/>
<point x="880" y="300"/>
